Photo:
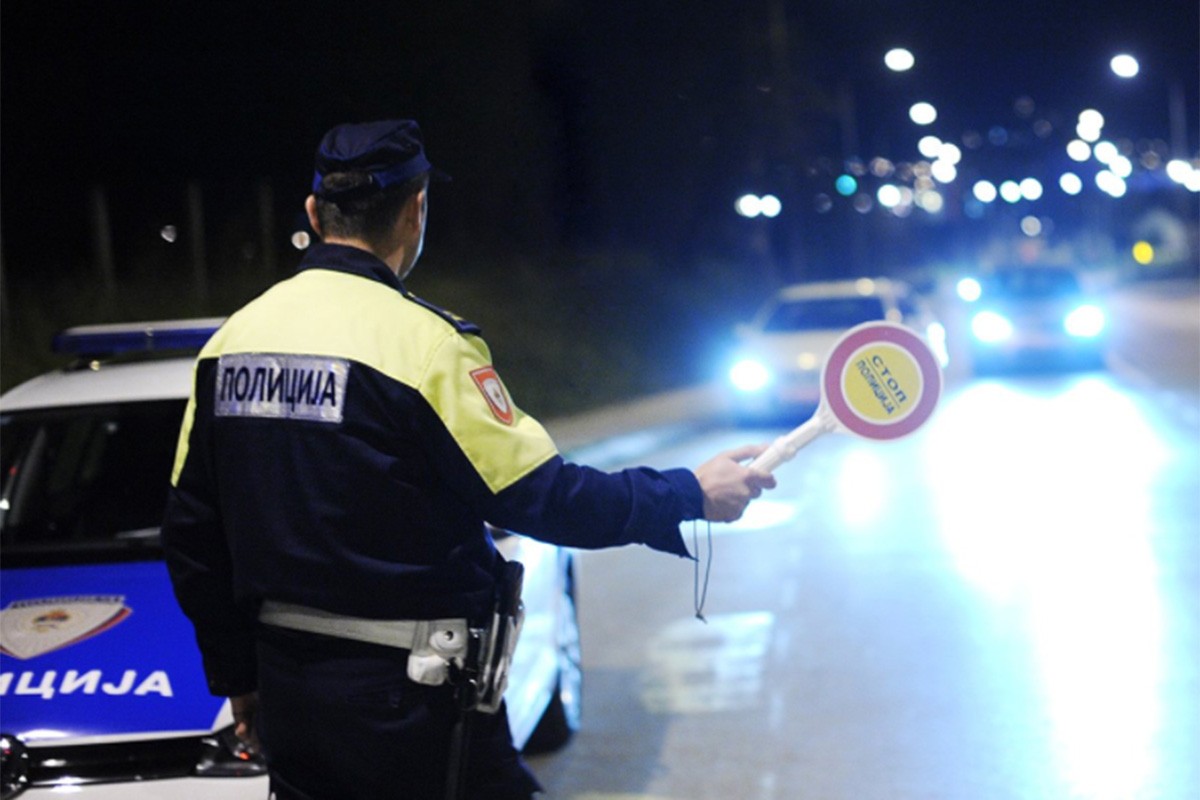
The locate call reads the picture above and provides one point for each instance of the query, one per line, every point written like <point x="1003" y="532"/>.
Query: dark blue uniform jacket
<point x="343" y="446"/>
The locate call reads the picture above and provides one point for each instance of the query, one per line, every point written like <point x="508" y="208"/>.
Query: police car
<point x="101" y="687"/>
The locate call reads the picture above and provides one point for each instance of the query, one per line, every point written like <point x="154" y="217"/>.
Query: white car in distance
<point x="775" y="375"/>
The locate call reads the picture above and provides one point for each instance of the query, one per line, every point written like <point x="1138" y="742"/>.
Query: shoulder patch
<point x="493" y="391"/>
<point x="461" y="325"/>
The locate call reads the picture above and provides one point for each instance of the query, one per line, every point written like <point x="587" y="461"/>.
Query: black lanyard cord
<point x="700" y="595"/>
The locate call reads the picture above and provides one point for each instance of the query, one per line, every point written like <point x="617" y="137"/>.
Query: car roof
<point x="118" y="363"/>
<point x="141" y="381"/>
<point x="861" y="287"/>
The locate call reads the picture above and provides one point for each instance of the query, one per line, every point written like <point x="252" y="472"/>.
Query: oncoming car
<point x="101" y="687"/>
<point x="777" y="366"/>
<point x="1033" y="316"/>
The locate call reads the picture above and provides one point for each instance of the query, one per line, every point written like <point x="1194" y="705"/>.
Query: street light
<point x="1124" y="65"/>
<point x="898" y="59"/>
<point x="1070" y="183"/>
<point x="751" y="205"/>
<point x="1091" y="123"/>
<point x="922" y="113"/>
<point x="984" y="191"/>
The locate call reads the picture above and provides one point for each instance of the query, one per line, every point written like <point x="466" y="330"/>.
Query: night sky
<point x="563" y="123"/>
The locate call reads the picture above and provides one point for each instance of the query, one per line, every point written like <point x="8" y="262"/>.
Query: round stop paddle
<point x="880" y="381"/>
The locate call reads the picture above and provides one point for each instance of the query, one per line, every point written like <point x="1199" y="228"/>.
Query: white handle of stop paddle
<point x="784" y="448"/>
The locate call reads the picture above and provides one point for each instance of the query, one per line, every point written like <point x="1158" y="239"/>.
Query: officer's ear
<point x="310" y="208"/>
<point x="421" y="207"/>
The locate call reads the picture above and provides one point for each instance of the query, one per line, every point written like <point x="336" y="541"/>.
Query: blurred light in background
<point x="1124" y="65"/>
<point x="1105" y="151"/>
<point x="1070" y="183"/>
<point x="929" y="146"/>
<point x="1110" y="183"/>
<point x="301" y="240"/>
<point x="1184" y="174"/>
<point x="1031" y="189"/>
<point x="1085" y="322"/>
<point x="846" y="185"/>
<point x="969" y="289"/>
<point x="1179" y="170"/>
<point x="888" y="195"/>
<point x="882" y="167"/>
<point x="1010" y="191"/>
<point x="943" y="171"/>
<point x="935" y="334"/>
<point x="1143" y="253"/>
<point x="751" y="205"/>
<point x="1031" y="226"/>
<point x="931" y="201"/>
<point x="949" y="152"/>
<point x="984" y="191"/>
<point x="922" y="113"/>
<point x="898" y="59"/>
<point x="1121" y="166"/>
<point x="169" y="233"/>
<point x="1091" y="123"/>
<point x="1079" y="150"/>
<point x="989" y="326"/>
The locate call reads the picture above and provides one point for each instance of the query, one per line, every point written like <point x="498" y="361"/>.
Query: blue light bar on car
<point x="136" y="337"/>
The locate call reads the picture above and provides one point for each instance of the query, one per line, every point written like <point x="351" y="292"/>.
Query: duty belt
<point x="434" y="644"/>
<point x="475" y="659"/>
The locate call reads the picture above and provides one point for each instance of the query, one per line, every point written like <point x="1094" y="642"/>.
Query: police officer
<point x="325" y="533"/>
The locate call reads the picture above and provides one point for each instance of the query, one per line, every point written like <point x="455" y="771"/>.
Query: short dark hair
<point x="369" y="214"/>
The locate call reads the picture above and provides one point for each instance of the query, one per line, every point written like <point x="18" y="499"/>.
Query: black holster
<point x="480" y="684"/>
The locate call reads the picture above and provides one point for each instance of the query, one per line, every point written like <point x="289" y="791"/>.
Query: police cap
<point x="388" y="152"/>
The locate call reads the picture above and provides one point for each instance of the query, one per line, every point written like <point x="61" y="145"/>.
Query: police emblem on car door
<point x="34" y="627"/>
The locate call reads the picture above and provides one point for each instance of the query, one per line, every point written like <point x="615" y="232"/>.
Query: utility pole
<point x="102" y="244"/>
<point x="787" y="136"/>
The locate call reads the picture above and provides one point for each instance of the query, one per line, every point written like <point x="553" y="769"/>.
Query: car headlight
<point x="990" y="327"/>
<point x="749" y="375"/>
<point x="227" y="756"/>
<point x="1085" y="322"/>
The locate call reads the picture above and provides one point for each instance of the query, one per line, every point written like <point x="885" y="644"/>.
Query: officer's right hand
<point x="729" y="486"/>
<point x="245" y="713"/>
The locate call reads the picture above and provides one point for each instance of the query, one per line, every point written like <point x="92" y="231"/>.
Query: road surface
<point x="1004" y="605"/>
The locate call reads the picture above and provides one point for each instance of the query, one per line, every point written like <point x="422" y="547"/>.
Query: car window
<point x="825" y="313"/>
<point x="1034" y="283"/>
<point x="85" y="478"/>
